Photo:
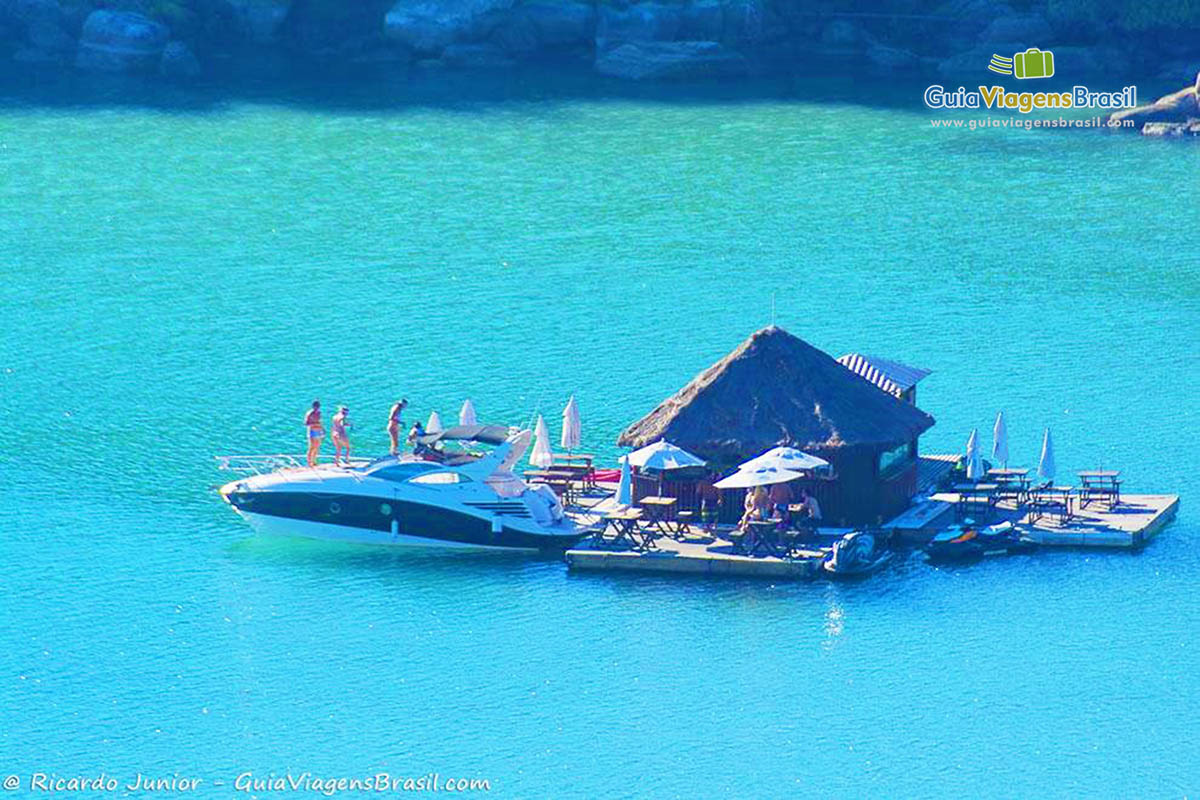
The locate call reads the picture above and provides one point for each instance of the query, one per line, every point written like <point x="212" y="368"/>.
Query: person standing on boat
<point x="417" y="431"/>
<point x="341" y="439"/>
<point x="394" y="424"/>
<point x="315" y="432"/>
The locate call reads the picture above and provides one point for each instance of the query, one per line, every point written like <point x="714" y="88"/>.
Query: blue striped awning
<point x="891" y="376"/>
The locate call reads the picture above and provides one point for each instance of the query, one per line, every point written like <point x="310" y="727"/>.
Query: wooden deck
<point x="1133" y="523"/>
<point x="694" y="558"/>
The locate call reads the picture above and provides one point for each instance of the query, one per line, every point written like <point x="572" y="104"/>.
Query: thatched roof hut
<point x="776" y="389"/>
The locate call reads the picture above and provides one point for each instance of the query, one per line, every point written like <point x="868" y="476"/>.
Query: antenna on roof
<point x="772" y="309"/>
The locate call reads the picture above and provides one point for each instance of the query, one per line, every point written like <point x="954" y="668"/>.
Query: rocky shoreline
<point x="637" y="41"/>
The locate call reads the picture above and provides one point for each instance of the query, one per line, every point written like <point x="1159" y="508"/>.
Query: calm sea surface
<point x="180" y="277"/>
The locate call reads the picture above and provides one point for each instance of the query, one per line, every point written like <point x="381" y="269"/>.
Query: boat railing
<point x="274" y="462"/>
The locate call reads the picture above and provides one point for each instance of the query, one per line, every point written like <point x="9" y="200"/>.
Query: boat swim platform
<point x="1135" y="521"/>
<point x="699" y="556"/>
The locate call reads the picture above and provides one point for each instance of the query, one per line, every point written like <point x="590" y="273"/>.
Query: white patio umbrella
<point x="571" y="430"/>
<point x="1046" y="467"/>
<point x="1000" y="441"/>
<point x="762" y="476"/>
<point x="625" y="487"/>
<point x="974" y="462"/>
<point x="466" y="416"/>
<point x="434" y="425"/>
<point x="785" y="458"/>
<point x="662" y="455"/>
<point x="541" y="456"/>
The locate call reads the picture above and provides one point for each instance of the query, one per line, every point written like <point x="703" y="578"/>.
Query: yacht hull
<point x="368" y="519"/>
<point x="265" y="525"/>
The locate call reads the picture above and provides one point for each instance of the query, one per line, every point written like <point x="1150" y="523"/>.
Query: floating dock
<point x="695" y="557"/>
<point x="1130" y="525"/>
<point x="1135" y="521"/>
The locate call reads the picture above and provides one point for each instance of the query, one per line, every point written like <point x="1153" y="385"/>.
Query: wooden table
<point x="1100" y="484"/>
<point x="1011" y="482"/>
<point x="658" y="512"/>
<point x="972" y="494"/>
<point x="768" y="537"/>
<point x="1050" y="500"/>
<point x="624" y="525"/>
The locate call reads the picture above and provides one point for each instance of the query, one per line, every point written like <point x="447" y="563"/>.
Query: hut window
<point x="895" y="460"/>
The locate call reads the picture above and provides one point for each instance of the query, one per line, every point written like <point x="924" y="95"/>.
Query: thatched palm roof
<point x="776" y="389"/>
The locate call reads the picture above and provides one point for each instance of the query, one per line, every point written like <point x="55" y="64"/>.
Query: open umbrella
<point x="1000" y="441"/>
<point x="761" y="476"/>
<point x="466" y="416"/>
<point x="625" y="487"/>
<point x="434" y="425"/>
<point x="541" y="455"/>
<point x="974" y="462"/>
<point x="785" y="458"/>
<point x="571" y="436"/>
<point x="1046" y="467"/>
<point x="662" y="455"/>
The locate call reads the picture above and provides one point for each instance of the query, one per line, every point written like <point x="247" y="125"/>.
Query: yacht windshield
<point x="402" y="471"/>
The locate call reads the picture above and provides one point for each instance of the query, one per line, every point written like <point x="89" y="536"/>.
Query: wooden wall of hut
<point x="859" y="495"/>
<point x="856" y="495"/>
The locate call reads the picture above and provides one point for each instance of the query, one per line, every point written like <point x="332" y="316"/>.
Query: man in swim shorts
<point x="315" y="432"/>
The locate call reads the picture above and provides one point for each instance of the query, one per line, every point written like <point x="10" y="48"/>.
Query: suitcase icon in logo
<point x="1033" y="63"/>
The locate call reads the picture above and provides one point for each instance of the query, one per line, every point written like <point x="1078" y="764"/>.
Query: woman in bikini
<point x="341" y="436"/>
<point x="394" y="424"/>
<point x="315" y="431"/>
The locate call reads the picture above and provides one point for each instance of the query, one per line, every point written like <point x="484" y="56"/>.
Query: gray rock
<point x="517" y="35"/>
<point x="427" y="26"/>
<point x="260" y="21"/>
<point x="641" y="61"/>
<point x="1178" y="107"/>
<point x="1097" y="60"/>
<point x="476" y="56"/>
<point x="842" y="33"/>
<point x="886" y="59"/>
<point x="49" y="35"/>
<point x="1030" y="29"/>
<point x="120" y="41"/>
<point x="972" y="17"/>
<point x="179" y="62"/>
<point x="644" y="22"/>
<point x="744" y="21"/>
<point x="973" y="64"/>
<point x="702" y="20"/>
<point x="31" y="11"/>
<point x="1171" y="129"/>
<point x="561" y="24"/>
<point x="32" y="55"/>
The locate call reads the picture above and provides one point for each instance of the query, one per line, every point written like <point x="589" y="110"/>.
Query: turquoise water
<point x="178" y="280"/>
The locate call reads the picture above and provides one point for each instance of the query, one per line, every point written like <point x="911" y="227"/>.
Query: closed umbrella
<point x="974" y="462"/>
<point x="466" y="416"/>
<point x="571" y="426"/>
<point x="625" y="487"/>
<point x="434" y="425"/>
<point x="785" y="458"/>
<point x="1000" y="441"/>
<point x="541" y="455"/>
<point x="1046" y="466"/>
<point x="761" y="476"/>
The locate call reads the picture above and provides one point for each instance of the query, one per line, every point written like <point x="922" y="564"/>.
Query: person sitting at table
<point x="780" y="497"/>
<point x="809" y="506"/>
